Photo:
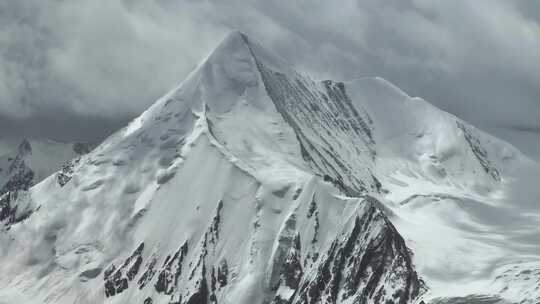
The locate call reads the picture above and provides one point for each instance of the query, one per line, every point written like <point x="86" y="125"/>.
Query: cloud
<point x="93" y="57"/>
<point x="64" y="60"/>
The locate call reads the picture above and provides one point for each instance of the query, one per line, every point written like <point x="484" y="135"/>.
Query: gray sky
<point x="81" y="69"/>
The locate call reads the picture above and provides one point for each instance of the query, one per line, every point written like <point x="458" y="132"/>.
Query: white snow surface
<point x="462" y="199"/>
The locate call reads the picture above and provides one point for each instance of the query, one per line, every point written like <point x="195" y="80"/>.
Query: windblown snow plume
<point x="253" y="183"/>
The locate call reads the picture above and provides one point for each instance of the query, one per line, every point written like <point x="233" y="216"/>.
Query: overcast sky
<point x="80" y="69"/>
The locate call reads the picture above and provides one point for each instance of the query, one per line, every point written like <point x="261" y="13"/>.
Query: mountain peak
<point x="284" y="187"/>
<point x="235" y="37"/>
<point x="24" y="147"/>
<point x="234" y="45"/>
<point x="239" y="46"/>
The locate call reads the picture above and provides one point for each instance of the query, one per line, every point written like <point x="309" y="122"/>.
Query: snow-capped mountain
<point x="253" y="183"/>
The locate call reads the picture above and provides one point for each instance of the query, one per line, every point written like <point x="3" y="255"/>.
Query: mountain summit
<point x="253" y="183"/>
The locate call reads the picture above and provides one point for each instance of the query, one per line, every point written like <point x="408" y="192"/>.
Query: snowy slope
<point x="452" y="189"/>
<point x="433" y="143"/>
<point x="253" y="183"/>
<point x="465" y="202"/>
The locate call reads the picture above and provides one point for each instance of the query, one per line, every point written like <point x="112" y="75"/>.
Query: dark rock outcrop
<point x="479" y="152"/>
<point x="66" y="172"/>
<point x="117" y="280"/>
<point x="364" y="263"/>
<point x="171" y="270"/>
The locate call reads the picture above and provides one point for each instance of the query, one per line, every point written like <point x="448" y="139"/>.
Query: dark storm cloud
<point x="64" y="60"/>
<point x="66" y="65"/>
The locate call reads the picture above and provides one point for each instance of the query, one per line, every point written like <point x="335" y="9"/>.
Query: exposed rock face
<point x="8" y="210"/>
<point x="480" y="153"/>
<point x="21" y="177"/>
<point x="167" y="281"/>
<point x="290" y="273"/>
<point x="66" y="172"/>
<point x="367" y="262"/>
<point x="313" y="114"/>
<point x="117" y="279"/>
